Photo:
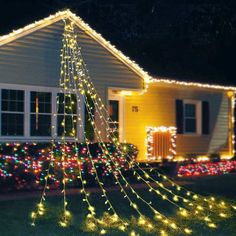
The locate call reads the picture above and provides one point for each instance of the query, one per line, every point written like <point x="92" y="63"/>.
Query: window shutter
<point x="88" y="126"/>
<point x="205" y="117"/>
<point x="179" y="116"/>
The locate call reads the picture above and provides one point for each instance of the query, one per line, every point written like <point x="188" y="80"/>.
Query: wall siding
<point x="157" y="108"/>
<point x="35" y="60"/>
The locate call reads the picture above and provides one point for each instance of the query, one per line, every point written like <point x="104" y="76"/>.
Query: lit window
<point x="40" y="114"/>
<point x="191" y="117"/>
<point x="12" y="112"/>
<point x="67" y="115"/>
<point x="114" y="115"/>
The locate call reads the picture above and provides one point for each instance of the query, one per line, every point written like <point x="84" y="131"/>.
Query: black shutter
<point x="89" y="131"/>
<point x="179" y="116"/>
<point x="205" y="117"/>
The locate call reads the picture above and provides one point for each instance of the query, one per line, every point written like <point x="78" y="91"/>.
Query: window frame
<point x="40" y="113"/>
<point x="27" y="112"/>
<point x="12" y="112"/>
<point x="198" y="105"/>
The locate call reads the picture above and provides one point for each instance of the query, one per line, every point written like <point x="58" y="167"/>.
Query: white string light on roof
<point x="192" y="84"/>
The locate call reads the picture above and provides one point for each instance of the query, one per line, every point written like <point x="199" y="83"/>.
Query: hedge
<point x="25" y="165"/>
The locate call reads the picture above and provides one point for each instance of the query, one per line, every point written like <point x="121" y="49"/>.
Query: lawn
<point x="15" y="214"/>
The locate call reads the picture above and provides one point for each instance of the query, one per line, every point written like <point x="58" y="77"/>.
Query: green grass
<point x="15" y="215"/>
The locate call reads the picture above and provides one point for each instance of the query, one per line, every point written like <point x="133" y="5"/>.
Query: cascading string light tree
<point x="75" y="82"/>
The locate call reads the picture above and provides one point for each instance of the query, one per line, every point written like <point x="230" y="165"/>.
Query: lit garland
<point x="151" y="131"/>
<point x="114" y="217"/>
<point x="132" y="204"/>
<point x="200" y="169"/>
<point x="25" y="165"/>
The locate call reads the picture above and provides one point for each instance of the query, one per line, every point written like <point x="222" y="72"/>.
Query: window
<point x="66" y="124"/>
<point x="12" y="112"/>
<point x="114" y="115"/>
<point x="192" y="117"/>
<point x="40" y="114"/>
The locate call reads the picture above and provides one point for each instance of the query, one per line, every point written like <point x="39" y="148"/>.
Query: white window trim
<point x="198" y="104"/>
<point x="27" y="89"/>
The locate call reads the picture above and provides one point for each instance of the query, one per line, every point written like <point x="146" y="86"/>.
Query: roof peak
<point x="67" y="13"/>
<point x="13" y="35"/>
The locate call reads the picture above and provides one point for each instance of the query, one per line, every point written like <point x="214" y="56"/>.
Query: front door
<point x="116" y="112"/>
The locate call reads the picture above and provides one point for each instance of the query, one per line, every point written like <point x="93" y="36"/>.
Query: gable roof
<point x="67" y="14"/>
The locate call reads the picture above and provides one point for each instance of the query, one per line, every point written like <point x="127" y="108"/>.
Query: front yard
<point x="15" y="214"/>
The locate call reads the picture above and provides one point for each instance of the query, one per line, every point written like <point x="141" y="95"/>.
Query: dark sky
<point x="15" y="14"/>
<point x="184" y="39"/>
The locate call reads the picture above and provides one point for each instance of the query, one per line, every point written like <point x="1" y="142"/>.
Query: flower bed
<point x="24" y="166"/>
<point x="207" y="168"/>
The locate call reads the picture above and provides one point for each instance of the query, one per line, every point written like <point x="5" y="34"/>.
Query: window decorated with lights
<point x="161" y="143"/>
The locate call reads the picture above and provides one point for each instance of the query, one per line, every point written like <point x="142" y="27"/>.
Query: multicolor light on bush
<point x="207" y="168"/>
<point x="24" y="165"/>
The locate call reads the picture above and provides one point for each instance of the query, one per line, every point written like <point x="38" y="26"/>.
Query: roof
<point x="67" y="14"/>
<point x="170" y="81"/>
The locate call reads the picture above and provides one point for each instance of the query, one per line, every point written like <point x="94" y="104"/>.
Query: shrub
<point x="24" y="166"/>
<point x="191" y="157"/>
<point x="214" y="157"/>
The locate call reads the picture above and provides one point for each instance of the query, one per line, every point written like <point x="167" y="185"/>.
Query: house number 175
<point x="134" y="108"/>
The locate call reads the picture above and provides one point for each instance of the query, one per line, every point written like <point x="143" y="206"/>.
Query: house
<point x="164" y="118"/>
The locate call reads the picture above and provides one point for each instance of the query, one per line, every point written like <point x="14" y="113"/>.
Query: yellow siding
<point x="156" y="107"/>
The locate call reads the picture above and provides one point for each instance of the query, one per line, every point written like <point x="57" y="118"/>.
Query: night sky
<point x="193" y="40"/>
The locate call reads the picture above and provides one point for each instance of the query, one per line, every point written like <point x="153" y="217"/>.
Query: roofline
<point x="67" y="14"/>
<point x="15" y="34"/>
<point x="191" y="84"/>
